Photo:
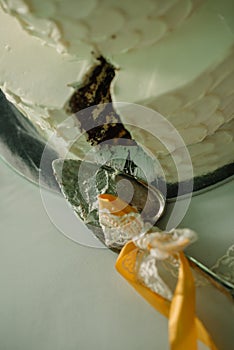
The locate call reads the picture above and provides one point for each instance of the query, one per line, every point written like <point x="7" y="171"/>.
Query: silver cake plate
<point x="21" y="146"/>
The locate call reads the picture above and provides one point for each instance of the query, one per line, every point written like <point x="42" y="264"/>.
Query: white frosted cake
<point x="173" y="56"/>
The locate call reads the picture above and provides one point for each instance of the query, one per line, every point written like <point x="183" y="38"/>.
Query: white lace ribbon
<point x="157" y="249"/>
<point x="224" y="266"/>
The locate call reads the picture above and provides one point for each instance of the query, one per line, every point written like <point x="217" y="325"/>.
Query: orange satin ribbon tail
<point x="184" y="327"/>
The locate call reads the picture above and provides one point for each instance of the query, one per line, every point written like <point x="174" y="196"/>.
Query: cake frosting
<point x="175" y="57"/>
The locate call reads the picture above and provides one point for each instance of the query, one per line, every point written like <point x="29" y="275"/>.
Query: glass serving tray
<point x="21" y="146"/>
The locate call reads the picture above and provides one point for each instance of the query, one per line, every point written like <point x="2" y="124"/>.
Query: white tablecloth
<point x="56" y="294"/>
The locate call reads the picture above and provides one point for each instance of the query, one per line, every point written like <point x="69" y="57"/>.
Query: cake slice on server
<point x="157" y="77"/>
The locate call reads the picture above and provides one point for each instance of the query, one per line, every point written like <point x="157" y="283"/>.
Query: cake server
<point x="74" y="175"/>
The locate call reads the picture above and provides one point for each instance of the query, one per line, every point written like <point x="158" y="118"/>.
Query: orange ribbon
<point x="184" y="327"/>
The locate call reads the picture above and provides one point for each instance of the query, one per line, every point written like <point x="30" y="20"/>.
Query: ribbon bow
<point x="143" y="247"/>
